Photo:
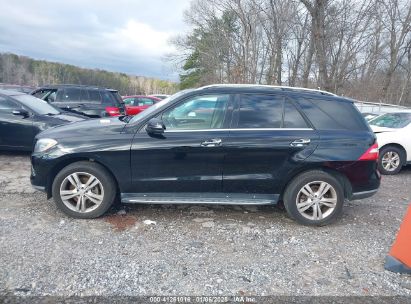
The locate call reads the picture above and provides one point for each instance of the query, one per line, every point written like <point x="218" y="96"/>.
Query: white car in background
<point x="393" y="131"/>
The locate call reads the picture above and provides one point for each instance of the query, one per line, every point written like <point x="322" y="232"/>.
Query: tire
<point x="330" y="205"/>
<point x="391" y="160"/>
<point x="70" y="186"/>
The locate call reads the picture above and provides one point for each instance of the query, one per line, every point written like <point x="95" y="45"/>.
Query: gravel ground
<point x="194" y="249"/>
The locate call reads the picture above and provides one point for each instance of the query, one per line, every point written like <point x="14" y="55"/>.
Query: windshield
<point x="37" y="105"/>
<point x="158" y="105"/>
<point x="392" y="120"/>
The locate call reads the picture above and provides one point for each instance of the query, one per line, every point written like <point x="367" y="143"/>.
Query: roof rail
<point x="381" y="104"/>
<point x="268" y="86"/>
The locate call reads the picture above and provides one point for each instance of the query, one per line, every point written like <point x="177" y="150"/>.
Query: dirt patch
<point x="120" y="222"/>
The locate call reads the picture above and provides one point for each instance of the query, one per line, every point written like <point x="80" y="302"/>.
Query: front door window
<point x="197" y="113"/>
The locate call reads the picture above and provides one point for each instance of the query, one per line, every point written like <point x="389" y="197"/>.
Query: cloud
<point x="141" y="38"/>
<point x="126" y="36"/>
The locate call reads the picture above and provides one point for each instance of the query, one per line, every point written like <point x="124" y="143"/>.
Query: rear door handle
<point x="300" y="142"/>
<point x="215" y="142"/>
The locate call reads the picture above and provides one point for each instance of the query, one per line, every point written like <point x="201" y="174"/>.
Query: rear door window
<point x="292" y="118"/>
<point x="260" y="111"/>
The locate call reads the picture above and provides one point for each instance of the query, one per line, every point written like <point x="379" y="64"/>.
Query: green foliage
<point x="209" y="50"/>
<point x="193" y="72"/>
<point x="22" y="70"/>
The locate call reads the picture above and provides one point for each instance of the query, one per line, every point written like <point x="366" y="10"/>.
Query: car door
<point x="188" y="158"/>
<point x="268" y="137"/>
<point x="16" y="129"/>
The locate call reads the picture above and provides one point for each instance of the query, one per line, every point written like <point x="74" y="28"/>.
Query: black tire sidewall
<point x="100" y="173"/>
<point x="383" y="151"/>
<point x="294" y="188"/>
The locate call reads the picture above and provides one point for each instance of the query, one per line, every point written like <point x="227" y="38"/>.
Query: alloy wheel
<point x="316" y="200"/>
<point x="81" y="192"/>
<point x="390" y="161"/>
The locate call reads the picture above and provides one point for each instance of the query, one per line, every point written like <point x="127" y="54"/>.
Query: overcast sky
<point x="130" y="36"/>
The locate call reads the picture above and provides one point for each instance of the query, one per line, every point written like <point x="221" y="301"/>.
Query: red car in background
<point x="138" y="103"/>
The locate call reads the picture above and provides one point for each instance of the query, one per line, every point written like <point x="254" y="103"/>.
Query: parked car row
<point x="94" y="102"/>
<point x="23" y="116"/>
<point x="89" y="101"/>
<point x="26" y="115"/>
<point x="229" y="144"/>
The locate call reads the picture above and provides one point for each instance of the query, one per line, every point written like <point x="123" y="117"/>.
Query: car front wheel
<point x="84" y="190"/>
<point x="314" y="198"/>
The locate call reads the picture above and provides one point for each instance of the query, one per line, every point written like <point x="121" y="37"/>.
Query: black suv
<point x="90" y="101"/>
<point x="225" y="144"/>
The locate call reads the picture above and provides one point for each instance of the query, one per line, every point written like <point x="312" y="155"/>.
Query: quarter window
<point x="200" y="112"/>
<point x="94" y="96"/>
<point x="332" y="114"/>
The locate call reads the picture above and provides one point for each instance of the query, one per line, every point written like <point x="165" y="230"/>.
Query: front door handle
<point x="215" y="142"/>
<point x="300" y="142"/>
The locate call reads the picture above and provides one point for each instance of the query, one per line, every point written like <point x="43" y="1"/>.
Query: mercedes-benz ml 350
<point x="220" y="144"/>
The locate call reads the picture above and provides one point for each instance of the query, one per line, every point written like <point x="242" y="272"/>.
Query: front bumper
<point x="41" y="167"/>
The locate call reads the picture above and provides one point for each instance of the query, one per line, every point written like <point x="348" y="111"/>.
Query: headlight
<point x="44" y="144"/>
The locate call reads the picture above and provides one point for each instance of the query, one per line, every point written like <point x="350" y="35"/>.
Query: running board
<point x="200" y="198"/>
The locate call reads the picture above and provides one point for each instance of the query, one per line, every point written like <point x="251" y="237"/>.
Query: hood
<point x="377" y="129"/>
<point x="85" y="128"/>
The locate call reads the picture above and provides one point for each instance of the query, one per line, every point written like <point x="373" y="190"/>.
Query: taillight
<point x="113" y="111"/>
<point x="371" y="153"/>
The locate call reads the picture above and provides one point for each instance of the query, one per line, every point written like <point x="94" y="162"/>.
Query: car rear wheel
<point x="391" y="160"/>
<point x="84" y="190"/>
<point x="314" y="198"/>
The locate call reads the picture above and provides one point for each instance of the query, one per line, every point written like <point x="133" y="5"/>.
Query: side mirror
<point x="21" y="112"/>
<point x="155" y="126"/>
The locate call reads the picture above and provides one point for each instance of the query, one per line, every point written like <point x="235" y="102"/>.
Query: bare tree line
<point x="356" y="48"/>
